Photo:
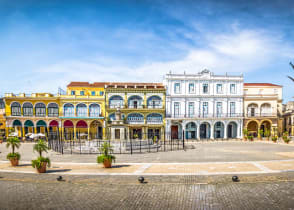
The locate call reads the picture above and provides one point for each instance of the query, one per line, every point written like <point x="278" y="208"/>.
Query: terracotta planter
<point x="14" y="161"/>
<point x="42" y="169"/>
<point x="107" y="163"/>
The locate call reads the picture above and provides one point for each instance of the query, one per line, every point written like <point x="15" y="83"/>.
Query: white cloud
<point x="237" y="52"/>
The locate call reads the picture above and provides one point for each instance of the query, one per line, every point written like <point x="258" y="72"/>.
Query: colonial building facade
<point x="2" y="118"/>
<point x="142" y="107"/>
<point x="263" y="108"/>
<point x="288" y="118"/>
<point x="204" y="105"/>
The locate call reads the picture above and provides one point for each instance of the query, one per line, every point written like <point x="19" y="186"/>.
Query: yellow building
<point x="82" y="110"/>
<point x="288" y="117"/>
<point x="78" y="112"/>
<point x="142" y="106"/>
<point x="263" y="108"/>
<point x="34" y="113"/>
<point x="2" y="118"/>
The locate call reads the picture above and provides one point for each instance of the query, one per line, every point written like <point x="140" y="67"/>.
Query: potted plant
<point x="41" y="162"/>
<point x="250" y="137"/>
<point x="135" y="136"/>
<point x="245" y="134"/>
<point x="286" y="137"/>
<point x="106" y="158"/>
<point x="260" y="132"/>
<point x="267" y="133"/>
<point x="274" y="139"/>
<point x="14" y="157"/>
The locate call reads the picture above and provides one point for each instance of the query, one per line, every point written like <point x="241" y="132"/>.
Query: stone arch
<point x="204" y="130"/>
<point x="252" y="127"/>
<point x="232" y="129"/>
<point x="219" y="130"/>
<point x="191" y="130"/>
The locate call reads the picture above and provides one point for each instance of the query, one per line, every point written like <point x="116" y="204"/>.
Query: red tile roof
<point x="261" y="84"/>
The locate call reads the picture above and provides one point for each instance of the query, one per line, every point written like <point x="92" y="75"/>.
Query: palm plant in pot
<point x="245" y="134"/>
<point x="274" y="139"/>
<point x="267" y="133"/>
<point x="286" y="137"/>
<point x="13" y="156"/>
<point x="41" y="162"/>
<point x="250" y="137"/>
<point x="106" y="158"/>
<point x="260" y="132"/>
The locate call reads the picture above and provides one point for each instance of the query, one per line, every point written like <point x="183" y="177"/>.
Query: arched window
<point x="69" y="110"/>
<point x="154" y="102"/>
<point x="82" y="110"/>
<point x="116" y="101"/>
<point x="27" y="109"/>
<point x="53" y="110"/>
<point x="135" y="102"/>
<point x="135" y="118"/>
<point x="2" y="105"/>
<point x="154" y="118"/>
<point x="40" y="109"/>
<point x="94" y="110"/>
<point x="15" y="109"/>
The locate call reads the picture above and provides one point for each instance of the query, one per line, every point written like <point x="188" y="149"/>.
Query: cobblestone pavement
<point x="28" y="191"/>
<point x="214" y="151"/>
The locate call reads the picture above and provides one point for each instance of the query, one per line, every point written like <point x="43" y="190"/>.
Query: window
<point x="82" y="93"/>
<point x="2" y="105"/>
<point x="82" y="110"/>
<point x="52" y="110"/>
<point x="15" y="109"/>
<point x="93" y="93"/>
<point x="219" y="109"/>
<point x="233" y="88"/>
<point x="232" y="108"/>
<point x="94" y="110"/>
<point x="205" y="108"/>
<point x="205" y="88"/>
<point x="177" y="88"/>
<point x="177" y="108"/>
<point x="101" y="93"/>
<point x="191" y="88"/>
<point x="40" y="109"/>
<point x="219" y="88"/>
<point x="191" y="109"/>
<point x="73" y="92"/>
<point x="27" y="109"/>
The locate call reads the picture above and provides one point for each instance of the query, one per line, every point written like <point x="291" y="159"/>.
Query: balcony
<point x="202" y="115"/>
<point x="261" y="115"/>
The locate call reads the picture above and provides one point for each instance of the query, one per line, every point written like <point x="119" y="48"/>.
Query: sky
<point x="47" y="44"/>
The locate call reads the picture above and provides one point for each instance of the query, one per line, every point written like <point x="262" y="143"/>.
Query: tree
<point x="292" y="65"/>
<point x="40" y="147"/>
<point x="13" y="142"/>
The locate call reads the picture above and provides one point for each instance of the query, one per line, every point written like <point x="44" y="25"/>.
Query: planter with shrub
<point x="250" y="138"/>
<point x="14" y="157"/>
<point x="106" y="158"/>
<point x="274" y="139"/>
<point x="41" y="162"/>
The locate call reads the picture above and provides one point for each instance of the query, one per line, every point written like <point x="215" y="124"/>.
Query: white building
<point x="204" y="105"/>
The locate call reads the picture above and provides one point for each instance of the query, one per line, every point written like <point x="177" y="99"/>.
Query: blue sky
<point x="46" y="44"/>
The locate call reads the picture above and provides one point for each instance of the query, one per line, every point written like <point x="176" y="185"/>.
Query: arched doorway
<point x="82" y="129"/>
<point x="41" y="127"/>
<point x="205" y="130"/>
<point x="96" y="130"/>
<point x="232" y="130"/>
<point x="29" y="126"/>
<point x="17" y="127"/>
<point x="252" y="128"/>
<point x="53" y="126"/>
<point x="191" y="130"/>
<point x="219" y="130"/>
<point x="68" y="130"/>
<point x="265" y="126"/>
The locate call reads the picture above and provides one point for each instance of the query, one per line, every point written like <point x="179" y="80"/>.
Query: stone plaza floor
<point x="43" y="191"/>
<point x="199" y="178"/>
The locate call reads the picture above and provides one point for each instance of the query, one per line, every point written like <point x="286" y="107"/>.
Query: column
<point x="211" y="132"/>
<point x="7" y="131"/>
<point x="35" y="129"/>
<point x="198" y="132"/>
<point x="88" y="132"/>
<point x="225" y="131"/>
<point x="23" y="132"/>
<point x="75" y="130"/>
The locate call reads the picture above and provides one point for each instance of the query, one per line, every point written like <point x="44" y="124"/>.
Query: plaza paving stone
<point x="35" y="191"/>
